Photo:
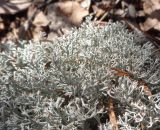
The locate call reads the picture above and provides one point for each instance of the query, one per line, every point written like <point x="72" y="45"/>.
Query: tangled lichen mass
<point x="66" y="84"/>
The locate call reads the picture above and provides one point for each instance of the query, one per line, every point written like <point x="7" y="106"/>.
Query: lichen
<point x="64" y="84"/>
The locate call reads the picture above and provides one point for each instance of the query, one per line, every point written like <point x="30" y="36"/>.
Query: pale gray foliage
<point x="59" y="85"/>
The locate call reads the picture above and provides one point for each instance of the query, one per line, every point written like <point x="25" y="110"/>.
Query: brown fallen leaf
<point x="40" y="20"/>
<point x="132" y="11"/>
<point x="150" y="23"/>
<point x="85" y="4"/>
<point x="152" y="10"/>
<point x="32" y="12"/>
<point x="140" y="13"/>
<point x="73" y="11"/>
<point x="120" y="12"/>
<point x="151" y="5"/>
<point x="13" y="6"/>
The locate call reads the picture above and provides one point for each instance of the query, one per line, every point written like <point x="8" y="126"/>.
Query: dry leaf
<point x="132" y="10"/>
<point x="31" y="12"/>
<point x="13" y="6"/>
<point x="120" y="12"/>
<point x="151" y="5"/>
<point x="40" y="20"/>
<point x="152" y="9"/>
<point x="140" y="13"/>
<point x="149" y="24"/>
<point x="73" y="11"/>
<point x="85" y="4"/>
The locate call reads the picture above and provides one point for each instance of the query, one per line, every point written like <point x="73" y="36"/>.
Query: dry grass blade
<point x="112" y="115"/>
<point x="121" y="73"/>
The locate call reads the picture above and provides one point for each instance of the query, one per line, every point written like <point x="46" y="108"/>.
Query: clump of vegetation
<point x="67" y="84"/>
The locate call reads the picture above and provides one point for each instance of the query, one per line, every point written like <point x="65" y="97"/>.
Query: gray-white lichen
<point x="61" y="85"/>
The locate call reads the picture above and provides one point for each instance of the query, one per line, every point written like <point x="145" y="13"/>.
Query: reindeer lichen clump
<point x="66" y="84"/>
